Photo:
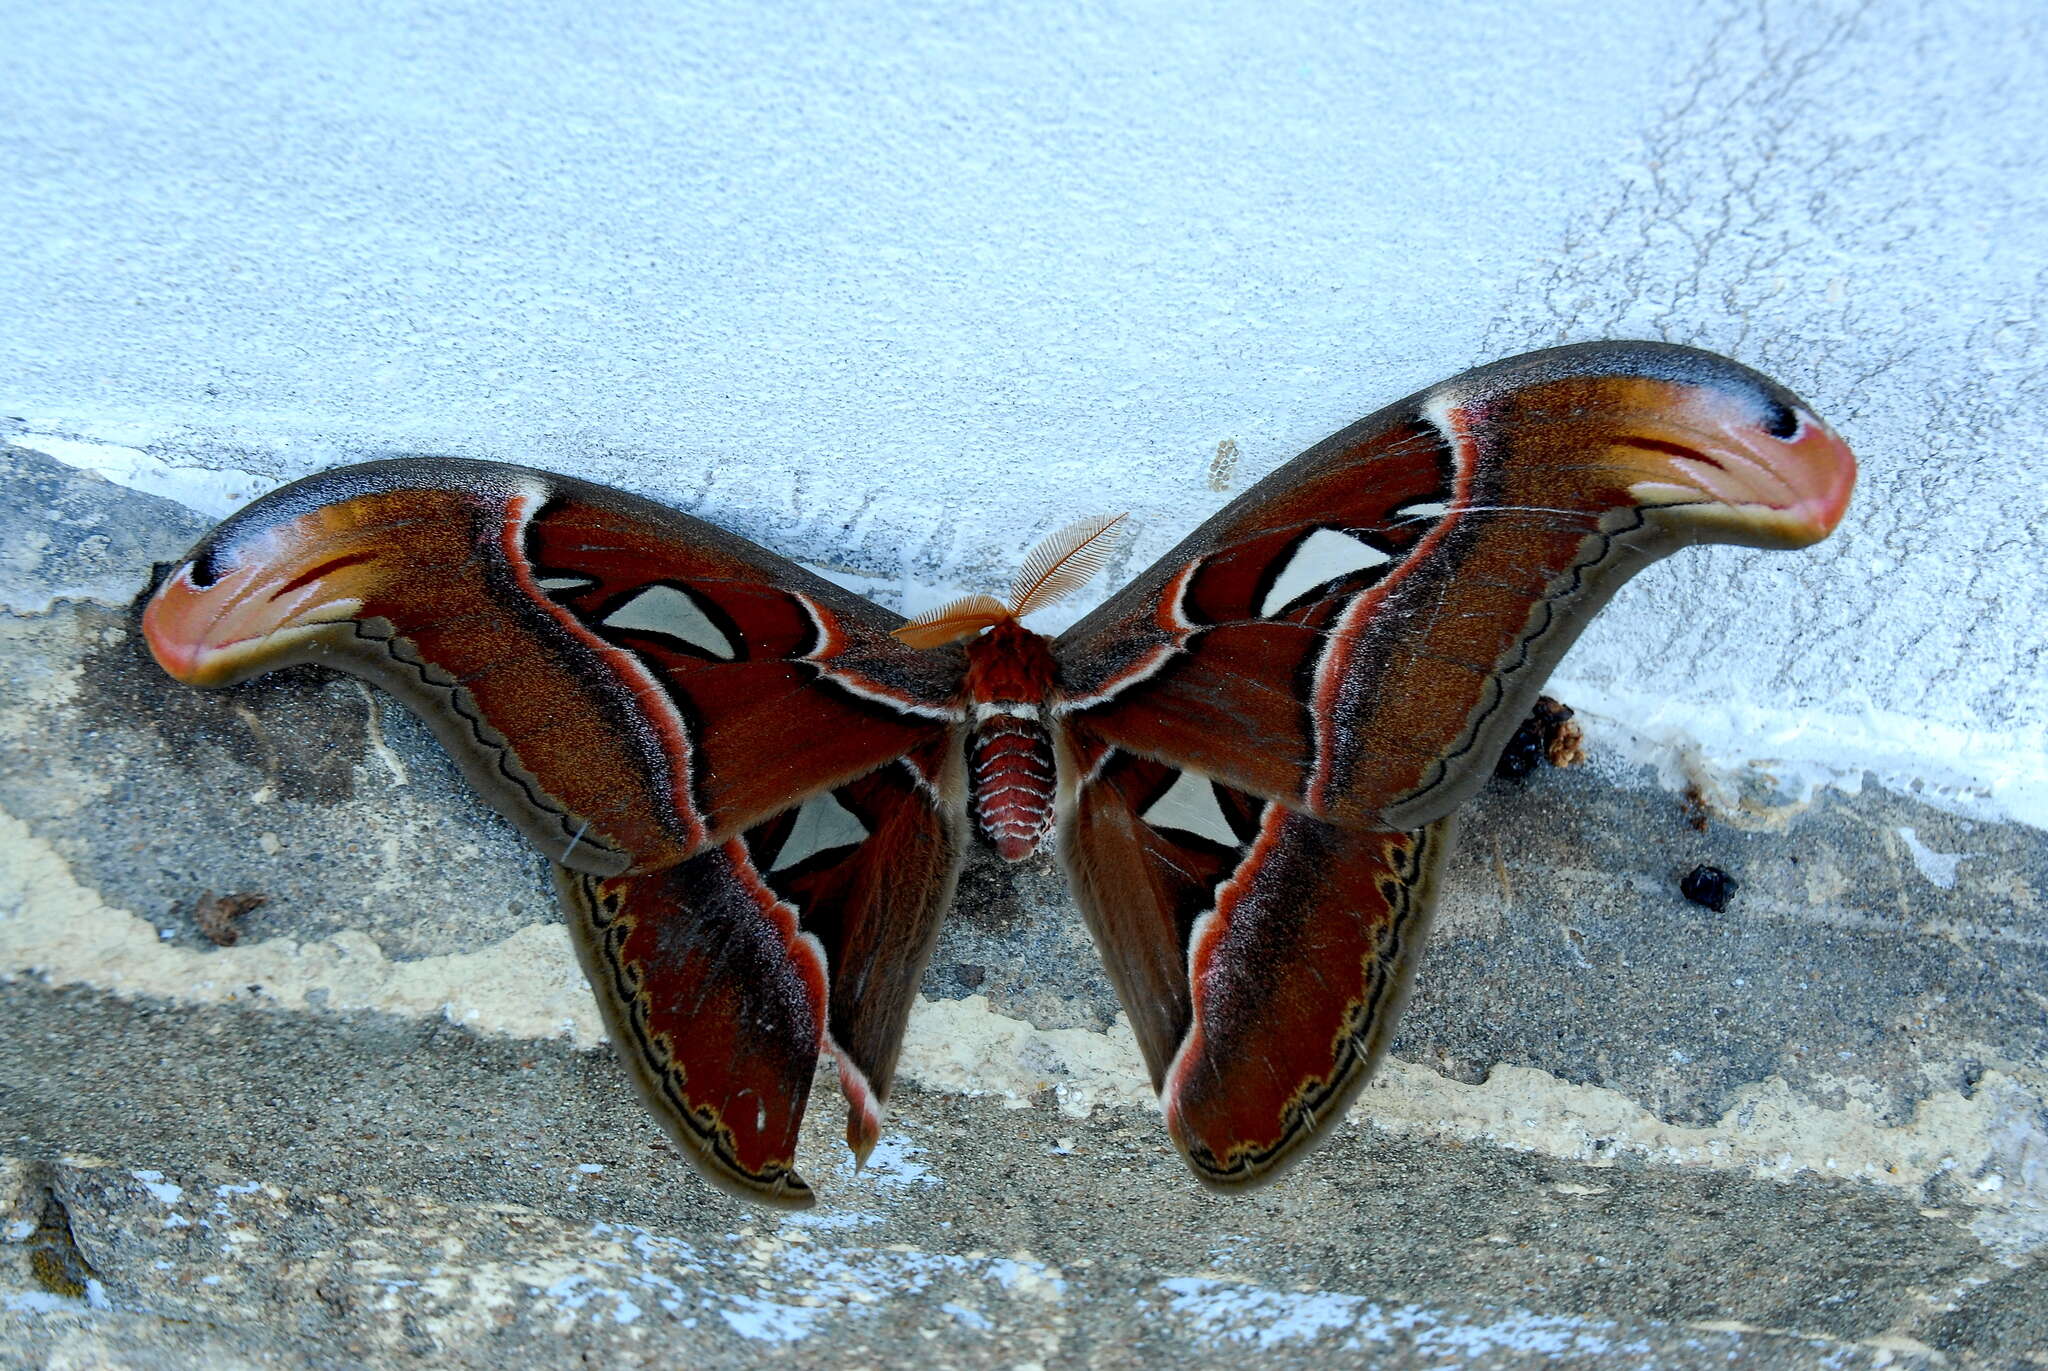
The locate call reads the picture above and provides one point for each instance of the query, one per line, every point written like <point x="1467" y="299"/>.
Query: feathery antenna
<point x="952" y="621"/>
<point x="1065" y="561"/>
<point x="1061" y="564"/>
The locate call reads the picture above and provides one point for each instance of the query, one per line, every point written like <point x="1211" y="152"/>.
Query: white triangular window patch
<point x="1321" y="557"/>
<point x="821" y="825"/>
<point x="1189" y="805"/>
<point x="673" y="614"/>
<point x="1421" y="513"/>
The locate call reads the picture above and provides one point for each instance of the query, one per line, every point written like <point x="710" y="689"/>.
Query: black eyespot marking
<point x="205" y="570"/>
<point x="1780" y="419"/>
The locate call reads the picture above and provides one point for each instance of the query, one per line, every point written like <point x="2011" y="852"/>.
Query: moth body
<point x="1010" y="672"/>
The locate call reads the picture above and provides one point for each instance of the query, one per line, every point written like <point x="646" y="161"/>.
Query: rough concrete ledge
<point x="382" y="1129"/>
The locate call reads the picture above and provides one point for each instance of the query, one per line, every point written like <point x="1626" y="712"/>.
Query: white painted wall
<point x="896" y="288"/>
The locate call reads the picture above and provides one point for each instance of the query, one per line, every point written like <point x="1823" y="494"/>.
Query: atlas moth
<point x="757" y="787"/>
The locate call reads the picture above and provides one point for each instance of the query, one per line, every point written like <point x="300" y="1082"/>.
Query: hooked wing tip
<point x="1716" y="451"/>
<point x="1755" y="487"/>
<point x="205" y="637"/>
<point x="216" y="620"/>
<point x="170" y="627"/>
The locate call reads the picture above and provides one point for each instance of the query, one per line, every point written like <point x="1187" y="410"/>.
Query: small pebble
<point x="1708" y="885"/>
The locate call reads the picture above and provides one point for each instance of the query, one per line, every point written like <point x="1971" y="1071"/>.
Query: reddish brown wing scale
<point x="723" y="979"/>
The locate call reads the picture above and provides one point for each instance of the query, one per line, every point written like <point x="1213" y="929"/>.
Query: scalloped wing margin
<point x="722" y="980"/>
<point x="1264" y="956"/>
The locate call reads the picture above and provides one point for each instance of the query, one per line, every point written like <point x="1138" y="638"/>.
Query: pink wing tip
<point x="1830" y="469"/>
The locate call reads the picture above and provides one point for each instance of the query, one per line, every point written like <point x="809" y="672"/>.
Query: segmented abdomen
<point x="1010" y="760"/>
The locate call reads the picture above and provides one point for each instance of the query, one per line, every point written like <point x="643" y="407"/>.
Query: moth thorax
<point x="1009" y="758"/>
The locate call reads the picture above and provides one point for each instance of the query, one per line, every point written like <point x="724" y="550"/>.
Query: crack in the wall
<point x="1708" y="242"/>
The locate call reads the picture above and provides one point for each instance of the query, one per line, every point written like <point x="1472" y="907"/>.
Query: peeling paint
<point x="1938" y="867"/>
<point x="1770" y="1131"/>
<point x="1226" y="1312"/>
<point x="166" y="1192"/>
<point x="965" y="1047"/>
<point x="1222" y="1313"/>
<point x="215" y="491"/>
<point x="1977" y="773"/>
<point x="763" y="1288"/>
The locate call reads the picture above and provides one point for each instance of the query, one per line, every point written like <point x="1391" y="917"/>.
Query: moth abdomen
<point x="1010" y="760"/>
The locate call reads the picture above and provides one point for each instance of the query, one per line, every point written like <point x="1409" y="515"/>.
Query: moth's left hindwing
<point x="650" y="700"/>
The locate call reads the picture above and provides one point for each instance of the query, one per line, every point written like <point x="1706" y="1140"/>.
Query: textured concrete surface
<point x="380" y="1128"/>
<point x="894" y="289"/>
